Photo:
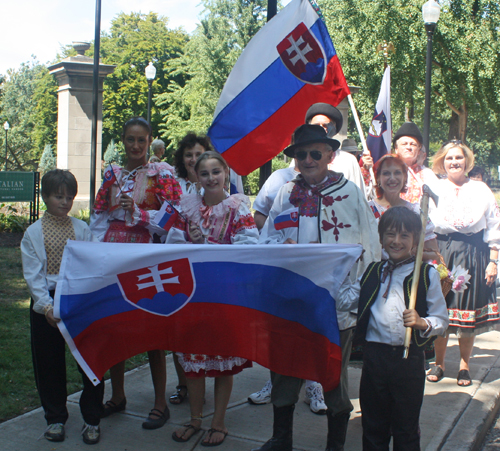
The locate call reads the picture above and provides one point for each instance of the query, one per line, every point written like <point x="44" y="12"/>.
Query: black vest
<point x="370" y="286"/>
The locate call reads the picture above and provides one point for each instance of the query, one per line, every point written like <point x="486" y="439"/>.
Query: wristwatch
<point x="494" y="261"/>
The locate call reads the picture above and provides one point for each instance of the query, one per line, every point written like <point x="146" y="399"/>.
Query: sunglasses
<point x="301" y="155"/>
<point x="452" y="141"/>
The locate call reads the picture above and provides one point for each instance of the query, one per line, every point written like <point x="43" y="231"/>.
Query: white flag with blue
<point x="380" y="134"/>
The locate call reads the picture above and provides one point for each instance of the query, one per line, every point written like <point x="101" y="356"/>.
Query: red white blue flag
<point x="289" y="64"/>
<point x="272" y="304"/>
<point x="166" y="216"/>
<point x="286" y="219"/>
<point x="109" y="178"/>
<point x="380" y="133"/>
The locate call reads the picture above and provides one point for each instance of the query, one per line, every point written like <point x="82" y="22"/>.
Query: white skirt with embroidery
<point x="197" y="362"/>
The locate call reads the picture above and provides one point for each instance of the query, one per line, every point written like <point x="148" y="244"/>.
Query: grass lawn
<point x="18" y="392"/>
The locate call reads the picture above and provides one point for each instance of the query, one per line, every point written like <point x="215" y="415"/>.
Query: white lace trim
<point x="196" y="362"/>
<point x="191" y="203"/>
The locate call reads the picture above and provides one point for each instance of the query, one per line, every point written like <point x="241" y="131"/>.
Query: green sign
<point x="17" y="186"/>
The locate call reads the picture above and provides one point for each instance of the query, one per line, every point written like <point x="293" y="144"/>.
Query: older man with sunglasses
<point x="331" y="209"/>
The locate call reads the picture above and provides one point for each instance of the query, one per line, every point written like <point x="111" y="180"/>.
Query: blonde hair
<point x="439" y="157"/>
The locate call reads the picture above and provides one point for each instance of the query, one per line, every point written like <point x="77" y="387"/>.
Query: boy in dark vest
<point x="392" y="388"/>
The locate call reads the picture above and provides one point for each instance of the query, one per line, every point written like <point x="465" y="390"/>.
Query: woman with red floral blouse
<point x="123" y="213"/>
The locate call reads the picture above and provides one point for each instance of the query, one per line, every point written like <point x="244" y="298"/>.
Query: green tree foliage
<point x="225" y="30"/>
<point x="112" y="155"/>
<point x="48" y="160"/>
<point x="133" y="41"/>
<point x="466" y="88"/>
<point x="45" y="112"/>
<point x="251" y="181"/>
<point x="19" y="107"/>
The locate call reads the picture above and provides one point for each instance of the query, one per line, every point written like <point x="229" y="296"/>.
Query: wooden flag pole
<point x="418" y="263"/>
<point x="361" y="134"/>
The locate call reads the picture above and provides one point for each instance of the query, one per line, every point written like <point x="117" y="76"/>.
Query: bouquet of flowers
<point x="456" y="279"/>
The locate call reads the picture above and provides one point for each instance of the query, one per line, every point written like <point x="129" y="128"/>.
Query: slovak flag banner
<point x="380" y="133"/>
<point x="109" y="177"/>
<point x="271" y="304"/>
<point x="166" y="216"/>
<point x="288" y="65"/>
<point x="286" y="219"/>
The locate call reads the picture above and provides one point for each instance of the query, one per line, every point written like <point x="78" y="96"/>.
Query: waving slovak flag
<point x="380" y="134"/>
<point x="289" y="64"/>
<point x="116" y="300"/>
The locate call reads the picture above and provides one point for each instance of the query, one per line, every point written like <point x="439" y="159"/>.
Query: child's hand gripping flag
<point x="166" y="216"/>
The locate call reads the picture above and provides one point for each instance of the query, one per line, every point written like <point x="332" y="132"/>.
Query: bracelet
<point x="48" y="308"/>
<point x="494" y="261"/>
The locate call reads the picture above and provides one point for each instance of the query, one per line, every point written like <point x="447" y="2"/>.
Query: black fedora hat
<point x="408" y="129"/>
<point x="327" y="110"/>
<point x="309" y="134"/>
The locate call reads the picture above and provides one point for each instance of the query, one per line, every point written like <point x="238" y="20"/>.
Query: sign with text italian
<point x="17" y="186"/>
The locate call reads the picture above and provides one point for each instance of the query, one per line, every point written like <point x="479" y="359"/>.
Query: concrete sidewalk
<point x="452" y="418"/>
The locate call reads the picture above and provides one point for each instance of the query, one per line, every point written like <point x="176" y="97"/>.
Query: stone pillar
<point x="74" y="119"/>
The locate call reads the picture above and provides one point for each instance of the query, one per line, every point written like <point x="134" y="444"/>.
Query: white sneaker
<point x="263" y="396"/>
<point x="315" y="399"/>
<point x="55" y="432"/>
<point x="91" y="434"/>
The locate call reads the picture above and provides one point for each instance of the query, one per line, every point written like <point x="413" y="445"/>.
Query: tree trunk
<point x="458" y="123"/>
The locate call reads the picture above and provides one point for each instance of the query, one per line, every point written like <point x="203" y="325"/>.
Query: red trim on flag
<point x="283" y="346"/>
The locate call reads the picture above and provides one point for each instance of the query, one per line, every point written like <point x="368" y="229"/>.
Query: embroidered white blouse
<point x="467" y="209"/>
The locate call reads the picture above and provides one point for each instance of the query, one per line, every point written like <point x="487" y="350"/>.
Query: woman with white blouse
<point x="467" y="224"/>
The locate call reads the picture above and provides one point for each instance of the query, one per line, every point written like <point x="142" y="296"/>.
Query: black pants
<point x="391" y="394"/>
<point x="49" y="363"/>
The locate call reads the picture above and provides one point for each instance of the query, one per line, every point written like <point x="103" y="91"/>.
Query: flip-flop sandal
<point x="188" y="427"/>
<point x="210" y="432"/>
<point x="464" y="375"/>
<point x="180" y="395"/>
<point x="436" y="371"/>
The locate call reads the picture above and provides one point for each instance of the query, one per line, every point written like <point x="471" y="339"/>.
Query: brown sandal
<point x="188" y="427"/>
<point x="210" y="432"/>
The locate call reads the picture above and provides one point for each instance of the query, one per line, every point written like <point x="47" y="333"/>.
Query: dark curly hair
<point x="188" y="142"/>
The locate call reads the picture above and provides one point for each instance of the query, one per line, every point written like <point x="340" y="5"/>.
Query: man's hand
<point x="289" y="241"/>
<point x="367" y="161"/>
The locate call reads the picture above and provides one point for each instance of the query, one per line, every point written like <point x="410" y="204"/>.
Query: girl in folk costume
<point x="125" y="206"/>
<point x="214" y="218"/>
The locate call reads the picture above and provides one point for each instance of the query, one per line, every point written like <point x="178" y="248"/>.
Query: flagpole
<point x="361" y="134"/>
<point x="267" y="168"/>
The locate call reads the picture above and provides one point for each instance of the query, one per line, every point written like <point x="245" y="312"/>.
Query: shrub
<point x="48" y="160"/>
<point x="11" y="220"/>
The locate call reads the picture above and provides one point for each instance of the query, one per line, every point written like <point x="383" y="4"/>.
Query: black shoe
<point x="110" y="408"/>
<point x="282" y="430"/>
<point x="155" y="423"/>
